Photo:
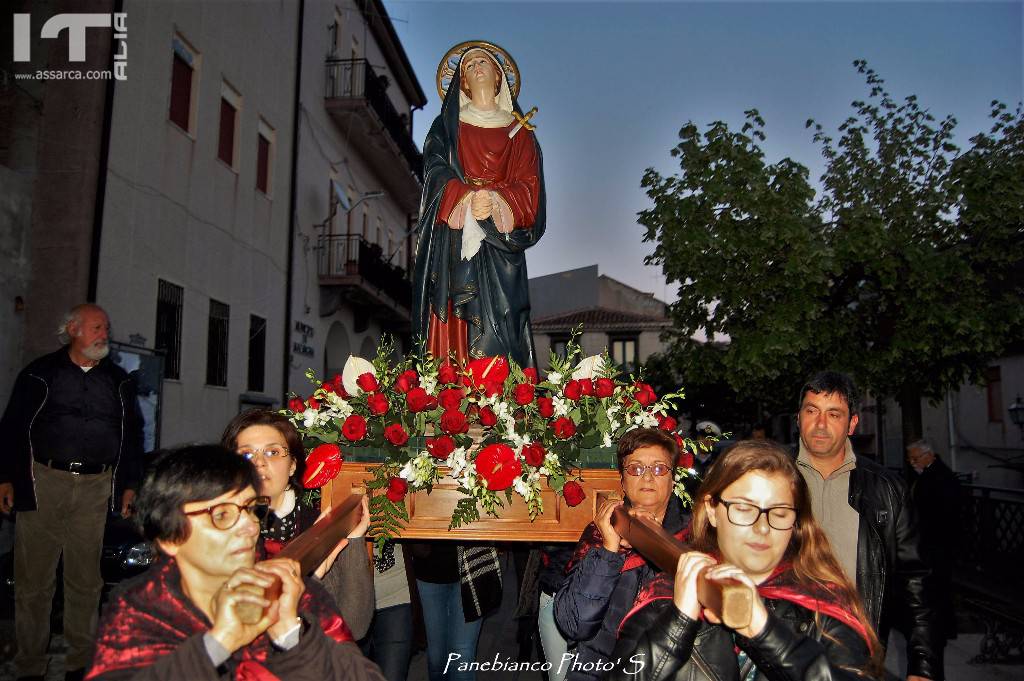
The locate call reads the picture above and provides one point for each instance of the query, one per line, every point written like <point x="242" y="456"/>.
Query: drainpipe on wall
<point x="292" y="201"/>
<point x="952" y="430"/>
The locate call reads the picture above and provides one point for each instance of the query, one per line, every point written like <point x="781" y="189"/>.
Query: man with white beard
<point x="72" y="442"/>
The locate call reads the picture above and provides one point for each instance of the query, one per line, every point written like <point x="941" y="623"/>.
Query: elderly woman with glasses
<point x="752" y="525"/>
<point x="273" y="445"/>
<point x="605" y="574"/>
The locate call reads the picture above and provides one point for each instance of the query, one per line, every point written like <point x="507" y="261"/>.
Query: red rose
<point x="417" y="399"/>
<point x="493" y="369"/>
<point x="645" y="394"/>
<point x="546" y="405"/>
<point x="531" y="375"/>
<point x="339" y="384"/>
<point x="498" y="466"/>
<point x="604" y="387"/>
<point x="564" y="428"/>
<point x="367" y="382"/>
<point x="407" y="381"/>
<point x="450" y="398"/>
<point x="573" y="493"/>
<point x="377" y="403"/>
<point x="322" y="464"/>
<point x="313" y="403"/>
<point x="587" y="386"/>
<point x="487" y="417"/>
<point x="534" y="454"/>
<point x="296" y="405"/>
<point x="685" y="459"/>
<point x="327" y="387"/>
<point x="397" y="489"/>
<point x="667" y="423"/>
<point x="492" y="388"/>
<point x="523" y="394"/>
<point x="454" y="422"/>
<point x="431" y="403"/>
<point x="396" y="435"/>
<point x="446" y="373"/>
<point x="440" y="447"/>
<point x="354" y="428"/>
<point x="573" y="390"/>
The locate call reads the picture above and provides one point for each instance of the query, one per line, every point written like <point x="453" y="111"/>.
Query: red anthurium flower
<point x="492" y="388"/>
<point x="546" y="405"/>
<point x="534" y="454"/>
<point x="454" y="422"/>
<point x="498" y="466"/>
<point x="367" y="382"/>
<point x="354" y="428"/>
<point x="407" y="381"/>
<point x="573" y="493"/>
<point x="645" y="394"/>
<point x="573" y="390"/>
<point x="440" y="447"/>
<point x="604" y="387"/>
<point x="322" y="464"/>
<point x="488" y="417"/>
<point x="524" y="394"/>
<point x="667" y="423"/>
<point x="485" y="369"/>
<point x="396" y="435"/>
<point x="417" y="399"/>
<point x="587" y="386"/>
<point x="564" y="428"/>
<point x="296" y="405"/>
<point x="446" y="373"/>
<point x="531" y="375"/>
<point x="450" y="398"/>
<point x="397" y="489"/>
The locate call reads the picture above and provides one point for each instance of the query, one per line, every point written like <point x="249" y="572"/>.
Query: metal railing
<point x="356" y="79"/>
<point x="992" y="526"/>
<point x="341" y="255"/>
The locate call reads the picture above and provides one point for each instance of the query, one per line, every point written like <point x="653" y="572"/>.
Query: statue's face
<point x="479" y="73"/>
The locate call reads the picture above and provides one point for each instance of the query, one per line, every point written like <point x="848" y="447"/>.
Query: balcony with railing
<point x="354" y="271"/>
<point x="356" y="98"/>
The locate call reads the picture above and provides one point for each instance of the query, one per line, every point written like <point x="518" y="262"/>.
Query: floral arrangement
<point x="525" y="428"/>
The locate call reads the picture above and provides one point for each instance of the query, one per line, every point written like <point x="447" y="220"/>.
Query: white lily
<point x="555" y="378"/>
<point x="588" y="368"/>
<point x="561" y="405"/>
<point x="354" y="368"/>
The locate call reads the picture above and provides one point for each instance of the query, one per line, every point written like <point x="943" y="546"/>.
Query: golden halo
<point x="446" y="69"/>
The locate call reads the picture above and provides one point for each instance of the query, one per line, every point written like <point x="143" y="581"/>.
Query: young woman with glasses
<point x="605" y="574"/>
<point x="752" y="524"/>
<point x="273" y="445"/>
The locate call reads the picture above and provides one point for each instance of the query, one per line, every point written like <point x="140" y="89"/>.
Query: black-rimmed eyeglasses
<point x="745" y="514"/>
<point x="225" y="515"/>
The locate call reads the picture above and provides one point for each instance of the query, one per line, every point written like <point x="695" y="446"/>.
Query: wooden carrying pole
<point x="310" y="549"/>
<point x="731" y="602"/>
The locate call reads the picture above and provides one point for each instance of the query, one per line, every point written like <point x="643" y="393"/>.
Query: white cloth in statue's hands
<point x="472" y="234"/>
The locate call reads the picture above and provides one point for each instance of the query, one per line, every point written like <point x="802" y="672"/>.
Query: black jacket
<point x="659" y="643"/>
<point x="892" y="577"/>
<point x="21" y="432"/>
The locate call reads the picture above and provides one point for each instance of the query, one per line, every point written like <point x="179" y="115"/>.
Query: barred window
<point x="217" y="344"/>
<point x="169" y="303"/>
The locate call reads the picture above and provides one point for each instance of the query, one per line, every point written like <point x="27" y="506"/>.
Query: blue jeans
<point x="448" y="632"/>
<point x="551" y="640"/>
<point x="389" y="643"/>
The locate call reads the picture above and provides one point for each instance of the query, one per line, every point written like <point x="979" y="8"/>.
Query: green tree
<point x="904" y="269"/>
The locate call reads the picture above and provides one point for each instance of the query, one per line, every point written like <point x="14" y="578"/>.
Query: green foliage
<point x="906" y="270"/>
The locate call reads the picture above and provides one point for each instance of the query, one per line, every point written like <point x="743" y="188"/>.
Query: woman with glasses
<point x="752" y="524"/>
<point x="605" y="574"/>
<point x="273" y="445"/>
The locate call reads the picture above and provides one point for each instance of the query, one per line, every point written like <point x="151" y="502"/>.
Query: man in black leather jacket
<point x="874" y="534"/>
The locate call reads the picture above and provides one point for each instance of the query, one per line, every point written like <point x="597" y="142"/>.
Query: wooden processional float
<point x="732" y="603"/>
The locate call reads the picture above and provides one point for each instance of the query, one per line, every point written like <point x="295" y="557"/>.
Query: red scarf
<point x="592" y="538"/>
<point x="779" y="586"/>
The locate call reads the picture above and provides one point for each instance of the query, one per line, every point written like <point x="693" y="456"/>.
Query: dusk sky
<point x="615" y="81"/>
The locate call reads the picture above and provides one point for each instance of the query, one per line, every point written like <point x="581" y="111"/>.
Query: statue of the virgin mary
<point x="482" y="207"/>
